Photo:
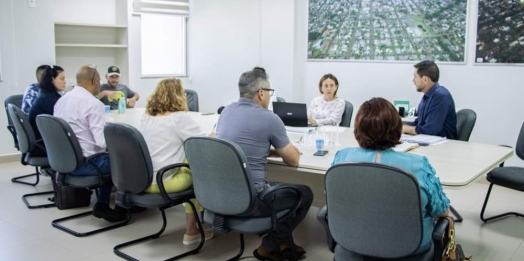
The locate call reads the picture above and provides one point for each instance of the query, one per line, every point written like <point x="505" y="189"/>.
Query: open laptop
<point x="292" y="114"/>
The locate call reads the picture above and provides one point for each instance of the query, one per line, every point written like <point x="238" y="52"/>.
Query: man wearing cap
<point x="111" y="92"/>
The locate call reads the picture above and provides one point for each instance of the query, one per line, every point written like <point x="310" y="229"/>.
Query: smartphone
<point x="320" y="153"/>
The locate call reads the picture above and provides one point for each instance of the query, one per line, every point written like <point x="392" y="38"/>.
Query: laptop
<point x="292" y="114"/>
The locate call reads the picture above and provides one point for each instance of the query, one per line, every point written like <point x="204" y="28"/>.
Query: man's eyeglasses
<point x="271" y="91"/>
<point x="93" y="66"/>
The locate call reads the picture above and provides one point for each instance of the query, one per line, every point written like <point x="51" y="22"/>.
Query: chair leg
<point x="24" y="198"/>
<point x="456" y="216"/>
<point x="497" y="216"/>
<point x="56" y="224"/>
<point x="119" y="253"/>
<point x="17" y="179"/>
<point x="237" y="257"/>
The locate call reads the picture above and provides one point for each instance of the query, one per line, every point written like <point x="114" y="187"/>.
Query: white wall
<point x="27" y="41"/>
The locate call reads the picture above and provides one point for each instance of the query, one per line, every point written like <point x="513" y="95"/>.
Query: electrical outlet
<point x="31" y="3"/>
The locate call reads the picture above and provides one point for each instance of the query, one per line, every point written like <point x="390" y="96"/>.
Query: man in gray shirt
<point x="255" y="129"/>
<point x="111" y="92"/>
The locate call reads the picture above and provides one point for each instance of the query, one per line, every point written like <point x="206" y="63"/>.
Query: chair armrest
<point x="440" y="237"/>
<point x="97" y="169"/>
<point x="160" y="177"/>
<point x="322" y="218"/>
<point x="507" y="146"/>
<point x="266" y="199"/>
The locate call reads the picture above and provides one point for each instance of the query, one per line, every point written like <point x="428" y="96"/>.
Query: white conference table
<point x="457" y="163"/>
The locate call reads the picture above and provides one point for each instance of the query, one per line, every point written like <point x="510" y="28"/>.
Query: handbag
<point x="66" y="197"/>
<point x="453" y="251"/>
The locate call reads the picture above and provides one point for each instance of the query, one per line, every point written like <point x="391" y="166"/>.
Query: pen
<point x="214" y="128"/>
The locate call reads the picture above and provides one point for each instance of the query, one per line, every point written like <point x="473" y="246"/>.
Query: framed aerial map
<point x="500" y="32"/>
<point x="387" y="30"/>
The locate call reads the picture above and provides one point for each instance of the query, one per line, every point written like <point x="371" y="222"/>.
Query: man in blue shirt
<point x="32" y="91"/>
<point x="436" y="111"/>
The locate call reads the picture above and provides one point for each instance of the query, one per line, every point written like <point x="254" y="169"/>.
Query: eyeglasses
<point x="271" y="91"/>
<point x="93" y="66"/>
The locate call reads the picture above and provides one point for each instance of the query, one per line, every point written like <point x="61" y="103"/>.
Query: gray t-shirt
<point x="125" y="92"/>
<point x="254" y="129"/>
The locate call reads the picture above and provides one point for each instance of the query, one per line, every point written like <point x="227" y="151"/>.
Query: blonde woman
<point x="165" y="126"/>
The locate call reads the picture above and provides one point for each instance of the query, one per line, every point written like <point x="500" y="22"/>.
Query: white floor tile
<point x="40" y="250"/>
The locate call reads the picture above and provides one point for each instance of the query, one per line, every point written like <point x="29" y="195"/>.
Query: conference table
<point x="457" y="163"/>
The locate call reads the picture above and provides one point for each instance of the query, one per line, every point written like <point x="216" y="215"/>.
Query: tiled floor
<point x="27" y="234"/>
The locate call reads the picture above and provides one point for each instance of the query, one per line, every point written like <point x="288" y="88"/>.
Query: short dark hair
<point x="325" y="77"/>
<point x="429" y="69"/>
<point x="41" y="68"/>
<point x="252" y="81"/>
<point x="377" y="125"/>
<point x="49" y="74"/>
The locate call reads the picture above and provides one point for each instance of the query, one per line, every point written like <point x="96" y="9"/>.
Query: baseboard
<point x="9" y="157"/>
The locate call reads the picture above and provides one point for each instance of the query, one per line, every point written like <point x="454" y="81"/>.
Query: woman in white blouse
<point x="328" y="108"/>
<point x="165" y="126"/>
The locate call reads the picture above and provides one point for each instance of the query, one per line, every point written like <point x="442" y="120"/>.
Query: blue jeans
<point x="102" y="162"/>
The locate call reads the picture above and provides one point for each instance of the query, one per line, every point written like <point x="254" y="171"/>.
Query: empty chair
<point x="28" y="145"/>
<point x="466" y="119"/>
<point x="369" y="219"/>
<point x="347" y="115"/>
<point x="65" y="156"/>
<point x="192" y="99"/>
<point x="280" y="99"/>
<point x="132" y="174"/>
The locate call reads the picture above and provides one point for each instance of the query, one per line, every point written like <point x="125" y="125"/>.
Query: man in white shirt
<point x="85" y="114"/>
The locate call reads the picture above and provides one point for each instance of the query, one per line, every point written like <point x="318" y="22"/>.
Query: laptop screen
<point x="292" y="114"/>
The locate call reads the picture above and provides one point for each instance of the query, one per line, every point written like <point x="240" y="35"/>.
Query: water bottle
<point x="122" y="105"/>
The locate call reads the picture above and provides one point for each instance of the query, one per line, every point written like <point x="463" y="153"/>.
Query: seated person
<point x="328" y="108"/>
<point x="436" y="111"/>
<point x="32" y="91"/>
<point x="377" y="130"/>
<point x="112" y="91"/>
<point x="165" y="126"/>
<point x="86" y="116"/>
<point x="255" y="137"/>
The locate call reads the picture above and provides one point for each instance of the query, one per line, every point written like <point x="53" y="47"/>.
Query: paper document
<point x="332" y="129"/>
<point x="300" y="129"/>
<point x="406" y="146"/>
<point x="422" y="139"/>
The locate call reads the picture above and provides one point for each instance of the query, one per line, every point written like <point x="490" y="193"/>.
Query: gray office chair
<point x="224" y="187"/>
<point x="192" y="99"/>
<point x="65" y="156"/>
<point x="347" y="115"/>
<point x="508" y="177"/>
<point x="280" y="99"/>
<point x="466" y="119"/>
<point x="369" y="219"/>
<point x="17" y="101"/>
<point x="132" y="173"/>
<point x="27" y="144"/>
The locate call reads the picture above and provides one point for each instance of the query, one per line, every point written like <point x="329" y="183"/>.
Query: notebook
<point x="422" y="139"/>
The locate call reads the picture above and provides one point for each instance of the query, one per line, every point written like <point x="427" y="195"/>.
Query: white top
<point x="165" y="136"/>
<point x="327" y="112"/>
<point x="85" y="114"/>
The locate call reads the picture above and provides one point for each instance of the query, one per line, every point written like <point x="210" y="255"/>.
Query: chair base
<point x="119" y="253"/>
<point x="56" y="224"/>
<point x="456" y="216"/>
<point x="484" y="219"/>
<point x="17" y="179"/>
<point x="24" y="198"/>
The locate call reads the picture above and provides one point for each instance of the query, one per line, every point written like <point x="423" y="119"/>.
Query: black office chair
<point x="28" y="144"/>
<point x="192" y="100"/>
<point x="65" y="156"/>
<point x="347" y="115"/>
<point x="132" y="173"/>
<point x="466" y="119"/>
<point x="224" y="187"/>
<point x="17" y="101"/>
<point x="368" y="219"/>
<point x="508" y="177"/>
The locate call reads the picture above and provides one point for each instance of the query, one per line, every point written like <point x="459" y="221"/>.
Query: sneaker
<point x="101" y="210"/>
<point x="262" y="253"/>
<point x="287" y="251"/>
<point x="194" y="239"/>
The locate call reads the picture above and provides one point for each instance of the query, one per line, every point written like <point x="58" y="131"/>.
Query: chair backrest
<point x="466" y="119"/>
<point x="374" y="209"/>
<point x="347" y="115"/>
<point x="63" y="149"/>
<point x="220" y="109"/>
<point x="131" y="165"/>
<point x="519" y="148"/>
<point x="221" y="176"/>
<point x="192" y="99"/>
<point x="280" y="99"/>
<point x="15" y="100"/>
<point x="24" y="131"/>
